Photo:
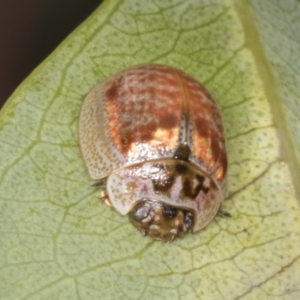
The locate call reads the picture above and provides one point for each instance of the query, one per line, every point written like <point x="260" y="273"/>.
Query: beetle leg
<point x="104" y="198"/>
<point x="224" y="213"/>
<point x="98" y="183"/>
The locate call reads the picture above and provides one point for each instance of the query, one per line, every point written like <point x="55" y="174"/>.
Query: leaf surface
<point x="58" y="242"/>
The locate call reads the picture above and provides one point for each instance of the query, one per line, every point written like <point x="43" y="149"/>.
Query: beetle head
<point x="161" y="221"/>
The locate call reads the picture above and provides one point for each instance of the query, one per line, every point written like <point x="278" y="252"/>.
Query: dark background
<point x="30" y="30"/>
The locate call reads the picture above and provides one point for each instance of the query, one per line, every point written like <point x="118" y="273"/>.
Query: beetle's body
<point x="156" y="134"/>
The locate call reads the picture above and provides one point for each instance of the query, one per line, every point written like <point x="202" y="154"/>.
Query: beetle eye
<point x="189" y="221"/>
<point x="141" y="212"/>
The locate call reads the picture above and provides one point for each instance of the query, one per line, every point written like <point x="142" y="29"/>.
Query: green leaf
<point x="59" y="242"/>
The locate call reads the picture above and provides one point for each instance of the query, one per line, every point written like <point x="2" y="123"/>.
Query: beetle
<point x="153" y="137"/>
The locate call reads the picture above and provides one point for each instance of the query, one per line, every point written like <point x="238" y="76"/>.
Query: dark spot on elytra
<point x="114" y="88"/>
<point x="203" y="127"/>
<point x="150" y="126"/>
<point x="112" y="92"/>
<point x="151" y="77"/>
<point x="168" y="121"/>
<point x="145" y="133"/>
